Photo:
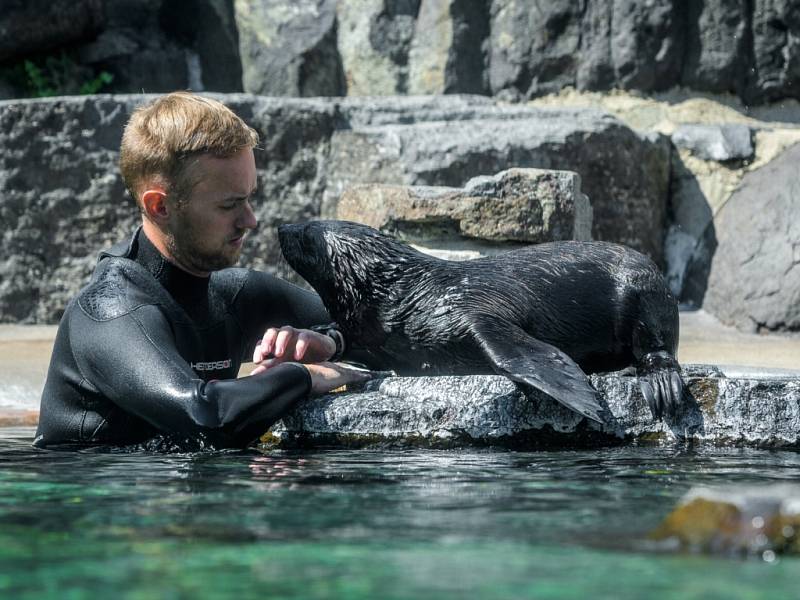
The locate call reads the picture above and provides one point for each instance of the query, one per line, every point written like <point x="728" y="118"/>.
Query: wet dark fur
<point x="604" y="305"/>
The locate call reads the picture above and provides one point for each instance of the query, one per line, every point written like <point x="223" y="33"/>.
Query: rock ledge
<point x="746" y="408"/>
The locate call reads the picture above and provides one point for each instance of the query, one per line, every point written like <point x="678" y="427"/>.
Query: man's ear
<point x="154" y="203"/>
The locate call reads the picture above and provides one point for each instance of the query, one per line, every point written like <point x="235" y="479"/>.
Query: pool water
<point x="368" y="524"/>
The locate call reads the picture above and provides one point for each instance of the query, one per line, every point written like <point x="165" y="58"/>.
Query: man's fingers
<point x="300" y="346"/>
<point x="264" y="366"/>
<point x="258" y="369"/>
<point x="268" y="343"/>
<point x="265" y="346"/>
<point x="284" y="336"/>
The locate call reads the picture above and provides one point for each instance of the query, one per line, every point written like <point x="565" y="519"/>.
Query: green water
<point x="367" y="524"/>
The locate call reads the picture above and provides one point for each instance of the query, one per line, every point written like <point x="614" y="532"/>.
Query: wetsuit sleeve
<point x="266" y="301"/>
<point x="133" y="361"/>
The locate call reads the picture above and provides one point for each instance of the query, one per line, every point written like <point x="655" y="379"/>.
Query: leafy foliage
<point x="54" y="75"/>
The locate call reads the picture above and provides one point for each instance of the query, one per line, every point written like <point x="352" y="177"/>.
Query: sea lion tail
<point x="661" y="383"/>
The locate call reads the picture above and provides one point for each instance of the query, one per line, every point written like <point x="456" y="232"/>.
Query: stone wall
<point x="62" y="200"/>
<point x="708" y="193"/>
<point x="514" y="49"/>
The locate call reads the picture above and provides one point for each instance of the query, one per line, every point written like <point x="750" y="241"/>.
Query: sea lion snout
<point x="303" y="247"/>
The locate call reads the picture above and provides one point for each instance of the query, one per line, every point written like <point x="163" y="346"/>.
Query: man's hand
<point x="326" y="376"/>
<point x="288" y="343"/>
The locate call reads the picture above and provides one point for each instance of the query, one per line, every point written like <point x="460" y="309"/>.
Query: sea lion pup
<point x="543" y="315"/>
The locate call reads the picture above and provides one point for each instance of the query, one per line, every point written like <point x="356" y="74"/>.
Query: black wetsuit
<point x="149" y="352"/>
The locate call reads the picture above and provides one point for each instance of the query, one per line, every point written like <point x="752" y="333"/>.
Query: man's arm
<point x="277" y="317"/>
<point x="133" y="361"/>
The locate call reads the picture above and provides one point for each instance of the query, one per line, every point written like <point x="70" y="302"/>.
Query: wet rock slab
<point x="744" y="407"/>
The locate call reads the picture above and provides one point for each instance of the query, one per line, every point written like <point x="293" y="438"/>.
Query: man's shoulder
<point x="117" y="287"/>
<point x="231" y="278"/>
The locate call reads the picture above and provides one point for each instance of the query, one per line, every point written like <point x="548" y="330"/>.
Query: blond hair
<point x="163" y="136"/>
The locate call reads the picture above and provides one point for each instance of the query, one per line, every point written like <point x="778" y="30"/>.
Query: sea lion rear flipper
<point x="525" y="359"/>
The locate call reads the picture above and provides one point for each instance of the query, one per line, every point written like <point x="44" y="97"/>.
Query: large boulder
<point x="136" y="50"/>
<point x="602" y="45"/>
<point x="33" y="26"/>
<point x="447" y="51"/>
<point x="533" y="52"/>
<point x="754" y="281"/>
<point x="289" y="48"/>
<point x="716" y="58"/>
<point x="624" y="174"/>
<point x="776" y="50"/>
<point x="487" y="215"/>
<point x="374" y="40"/>
<point x="413" y="46"/>
<point x="760" y="409"/>
<point x="210" y="40"/>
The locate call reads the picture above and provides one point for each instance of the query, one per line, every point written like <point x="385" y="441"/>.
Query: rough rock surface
<point x="28" y="26"/>
<point x="61" y="198"/>
<point x="624" y="174"/>
<point x="716" y="57"/>
<point x="413" y="47"/>
<point x="515" y="49"/>
<point x="722" y="143"/>
<point x="374" y="39"/>
<point x="776" y="50"/>
<point x="211" y="42"/>
<point x="754" y="281"/>
<point x="289" y="49"/>
<point x="599" y="45"/>
<point x="517" y="205"/>
<point x="490" y="410"/>
<point x="138" y="49"/>
<point x="447" y="52"/>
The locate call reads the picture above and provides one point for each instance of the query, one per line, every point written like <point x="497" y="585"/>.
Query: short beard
<point x="185" y="250"/>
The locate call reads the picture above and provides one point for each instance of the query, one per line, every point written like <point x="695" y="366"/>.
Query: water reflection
<point x="492" y="512"/>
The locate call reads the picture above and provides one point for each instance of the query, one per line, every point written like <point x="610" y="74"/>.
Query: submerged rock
<point x="762" y="521"/>
<point x="752" y="408"/>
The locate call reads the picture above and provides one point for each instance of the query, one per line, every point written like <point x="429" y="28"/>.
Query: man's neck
<point x="159" y="239"/>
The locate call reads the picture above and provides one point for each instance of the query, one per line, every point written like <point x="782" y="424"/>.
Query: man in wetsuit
<point x="148" y="352"/>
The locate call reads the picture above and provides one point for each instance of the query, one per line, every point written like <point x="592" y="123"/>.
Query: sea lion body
<point x="544" y="315"/>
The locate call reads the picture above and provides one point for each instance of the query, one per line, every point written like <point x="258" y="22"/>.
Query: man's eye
<point x="229" y="206"/>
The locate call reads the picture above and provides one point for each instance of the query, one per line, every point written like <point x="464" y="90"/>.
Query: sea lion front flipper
<point x="525" y="359"/>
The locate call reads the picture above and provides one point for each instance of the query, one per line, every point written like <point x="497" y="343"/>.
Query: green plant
<point x="38" y="81"/>
<point x="55" y="75"/>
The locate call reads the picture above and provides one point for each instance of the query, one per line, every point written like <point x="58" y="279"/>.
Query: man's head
<point x="188" y="162"/>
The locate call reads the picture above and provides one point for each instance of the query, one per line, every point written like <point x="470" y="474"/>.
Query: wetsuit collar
<point x="190" y="291"/>
<point x="124" y="249"/>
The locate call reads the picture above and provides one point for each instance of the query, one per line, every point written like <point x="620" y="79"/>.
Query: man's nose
<point x="247" y="218"/>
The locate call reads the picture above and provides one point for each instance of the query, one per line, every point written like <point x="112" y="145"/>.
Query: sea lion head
<point x="353" y="267"/>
